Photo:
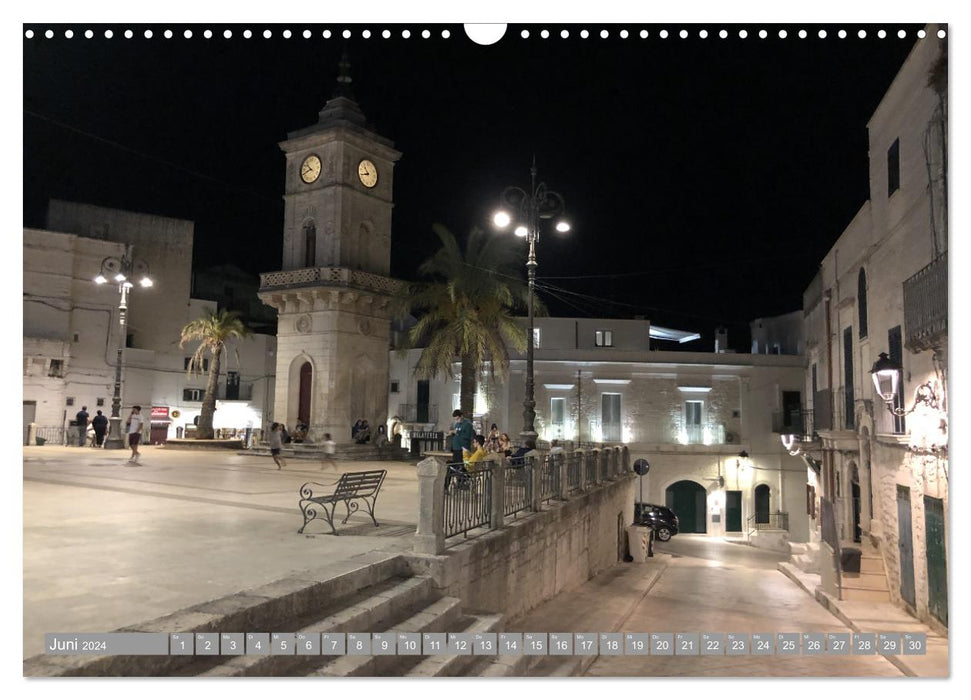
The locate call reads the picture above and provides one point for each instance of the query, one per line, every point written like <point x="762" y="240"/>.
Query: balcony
<point x="925" y="307"/>
<point x="328" y="277"/>
<point x="797" y="422"/>
<point x="417" y="413"/>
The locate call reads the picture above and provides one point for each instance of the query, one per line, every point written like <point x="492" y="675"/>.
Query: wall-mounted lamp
<point x="791" y="443"/>
<point x="886" y="378"/>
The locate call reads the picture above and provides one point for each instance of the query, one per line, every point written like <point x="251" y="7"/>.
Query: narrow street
<point x="722" y="587"/>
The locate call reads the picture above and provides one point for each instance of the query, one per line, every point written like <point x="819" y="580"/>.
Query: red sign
<point x="160" y="412"/>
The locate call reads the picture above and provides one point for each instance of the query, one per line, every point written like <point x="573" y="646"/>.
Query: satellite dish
<point x="642" y="467"/>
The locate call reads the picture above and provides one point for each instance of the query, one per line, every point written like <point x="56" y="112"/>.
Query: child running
<point x="329" y="450"/>
<point x="276" y="444"/>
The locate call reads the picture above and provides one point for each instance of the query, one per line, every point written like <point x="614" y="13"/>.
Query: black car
<point x="660" y="518"/>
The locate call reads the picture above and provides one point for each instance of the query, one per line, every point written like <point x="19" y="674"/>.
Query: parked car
<point x="660" y="518"/>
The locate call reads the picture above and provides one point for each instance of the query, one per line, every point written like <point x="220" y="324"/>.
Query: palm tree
<point x="213" y="329"/>
<point x="465" y="311"/>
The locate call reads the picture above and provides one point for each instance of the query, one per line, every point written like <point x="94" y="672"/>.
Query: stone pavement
<point x="868" y="616"/>
<point x="108" y="545"/>
<point x="696" y="594"/>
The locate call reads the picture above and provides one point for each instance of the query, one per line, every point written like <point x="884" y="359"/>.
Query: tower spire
<point x="344" y="77"/>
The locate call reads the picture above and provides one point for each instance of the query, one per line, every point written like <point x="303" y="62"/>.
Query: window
<point x="557" y="411"/>
<point x="100" y="402"/>
<point x="604" y="339"/>
<point x="536" y="337"/>
<point x="849" y="419"/>
<point x="893" y="168"/>
<point x="56" y="369"/>
<point x="394" y="386"/>
<point x="692" y="420"/>
<point x="70" y="400"/>
<point x="205" y="364"/>
<point x="192" y="394"/>
<point x="861" y="301"/>
<point x="309" y="244"/>
<point x="610" y="417"/>
<point x="77" y="337"/>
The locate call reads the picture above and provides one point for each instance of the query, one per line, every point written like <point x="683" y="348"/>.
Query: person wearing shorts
<point x="276" y="444"/>
<point x="330" y="447"/>
<point x="135" y="425"/>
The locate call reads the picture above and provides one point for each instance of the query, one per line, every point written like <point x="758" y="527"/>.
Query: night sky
<point x="704" y="178"/>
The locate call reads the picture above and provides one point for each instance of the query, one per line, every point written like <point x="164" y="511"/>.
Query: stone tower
<point x="333" y="296"/>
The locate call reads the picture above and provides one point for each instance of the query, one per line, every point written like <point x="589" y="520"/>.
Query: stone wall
<point x="531" y="559"/>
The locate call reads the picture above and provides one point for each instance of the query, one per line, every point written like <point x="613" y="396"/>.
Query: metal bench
<point x="349" y="489"/>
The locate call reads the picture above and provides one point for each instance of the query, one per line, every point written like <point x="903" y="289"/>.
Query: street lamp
<point x="122" y="271"/>
<point x="526" y="210"/>
<point x="886" y="379"/>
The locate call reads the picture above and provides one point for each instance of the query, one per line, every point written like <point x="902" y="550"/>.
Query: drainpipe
<point x="828" y="464"/>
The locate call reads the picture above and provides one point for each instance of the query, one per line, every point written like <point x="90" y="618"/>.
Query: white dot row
<point x="525" y="34"/>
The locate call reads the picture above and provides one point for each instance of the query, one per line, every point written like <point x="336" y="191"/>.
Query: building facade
<point x="882" y="288"/>
<point x="690" y="414"/>
<point x="71" y="328"/>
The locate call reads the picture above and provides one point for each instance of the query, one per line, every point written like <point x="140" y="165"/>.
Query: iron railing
<point x="794" y="422"/>
<point x="417" y="413"/>
<point x="468" y="500"/>
<point x="925" y="306"/>
<point x="590" y="467"/>
<point x="51" y="434"/>
<point x="769" y="521"/>
<point x="604" y="463"/>
<point x="549" y="476"/>
<point x="574" y="471"/>
<point x="518" y="493"/>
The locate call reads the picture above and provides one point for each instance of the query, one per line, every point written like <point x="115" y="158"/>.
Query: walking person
<point x="330" y="448"/>
<point x="135" y="424"/>
<point x="100" y="423"/>
<point x="461" y="433"/>
<point x="82" y="420"/>
<point x="276" y="444"/>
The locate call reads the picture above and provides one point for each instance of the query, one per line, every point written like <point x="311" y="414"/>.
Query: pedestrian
<point x="461" y="433"/>
<point x="276" y="444"/>
<point x="330" y="448"/>
<point x="82" y="421"/>
<point x="135" y="424"/>
<point x="492" y="444"/>
<point x="100" y="424"/>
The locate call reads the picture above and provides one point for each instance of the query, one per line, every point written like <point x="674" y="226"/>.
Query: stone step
<point x="798" y="547"/>
<point x="867" y="580"/>
<point x="872" y="565"/>
<point x="357" y="453"/>
<point x="440" y="616"/>
<point x="865" y="595"/>
<point x="369" y="609"/>
<point x="456" y="665"/>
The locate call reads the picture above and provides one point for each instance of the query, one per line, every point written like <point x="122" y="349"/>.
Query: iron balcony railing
<point x="468" y="500"/>
<point x="925" y="306"/>
<point x="794" y="422"/>
<point x="417" y="413"/>
<point x="769" y="521"/>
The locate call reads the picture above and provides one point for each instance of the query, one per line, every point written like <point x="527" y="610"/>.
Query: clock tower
<point x="333" y="295"/>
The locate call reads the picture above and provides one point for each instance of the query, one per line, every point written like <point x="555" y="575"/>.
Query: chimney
<point x="721" y="339"/>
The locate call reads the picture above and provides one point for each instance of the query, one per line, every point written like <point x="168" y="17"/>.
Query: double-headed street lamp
<point x="122" y="271"/>
<point x="526" y="210"/>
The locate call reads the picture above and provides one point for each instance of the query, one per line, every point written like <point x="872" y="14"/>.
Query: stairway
<point x="870" y="584"/>
<point x="805" y="556"/>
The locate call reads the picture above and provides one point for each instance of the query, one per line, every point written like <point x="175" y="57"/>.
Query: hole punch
<point x="487" y="34"/>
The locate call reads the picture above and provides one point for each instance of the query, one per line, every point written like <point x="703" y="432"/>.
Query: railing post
<point x="430" y="536"/>
<point x="597" y="456"/>
<point x="535" y="482"/>
<point x="31" y="433"/>
<point x="498" y="514"/>
<point x="562" y="465"/>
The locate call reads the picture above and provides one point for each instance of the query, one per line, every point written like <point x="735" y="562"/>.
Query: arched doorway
<point x="306" y="386"/>
<point x="762" y="503"/>
<point x="688" y="500"/>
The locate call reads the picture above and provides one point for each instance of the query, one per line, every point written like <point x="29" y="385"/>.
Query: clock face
<point x="310" y="169"/>
<point x="368" y="173"/>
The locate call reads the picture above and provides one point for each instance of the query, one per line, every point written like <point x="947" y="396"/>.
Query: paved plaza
<point x="108" y="545"/>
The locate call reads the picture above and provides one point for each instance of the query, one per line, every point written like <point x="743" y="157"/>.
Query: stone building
<point x="882" y="288"/>
<point x="333" y="295"/>
<point x="71" y="327"/>
<point x="690" y="414"/>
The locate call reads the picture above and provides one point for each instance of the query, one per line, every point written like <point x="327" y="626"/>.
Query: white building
<point x="71" y="327"/>
<point x="882" y="288"/>
<point x="690" y="414"/>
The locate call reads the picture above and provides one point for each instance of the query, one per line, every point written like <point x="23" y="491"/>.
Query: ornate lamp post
<point x="526" y="210"/>
<point x="122" y="271"/>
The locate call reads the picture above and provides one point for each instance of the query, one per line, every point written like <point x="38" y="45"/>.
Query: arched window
<point x="309" y="245"/>
<point x="861" y="301"/>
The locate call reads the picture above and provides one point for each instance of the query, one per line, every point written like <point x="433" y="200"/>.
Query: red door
<point x="306" y="381"/>
<point x="159" y="434"/>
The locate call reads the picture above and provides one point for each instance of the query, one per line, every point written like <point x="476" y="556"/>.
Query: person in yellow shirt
<point x="478" y="454"/>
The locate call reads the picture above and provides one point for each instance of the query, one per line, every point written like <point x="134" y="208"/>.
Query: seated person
<point x="478" y="454"/>
<point x="382" y="437"/>
<point x="364" y="434"/>
<point x="299" y="433"/>
<point x="505" y="445"/>
<point x="518" y="458"/>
